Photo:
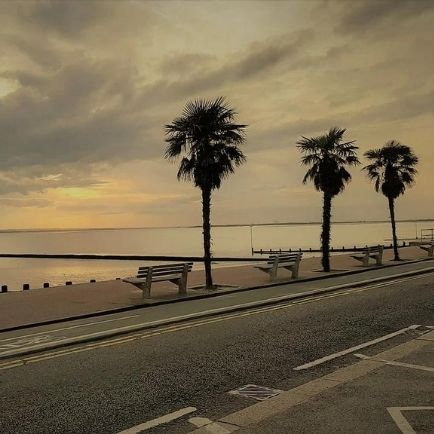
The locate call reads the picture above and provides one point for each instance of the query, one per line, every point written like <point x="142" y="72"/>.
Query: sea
<point x="227" y="241"/>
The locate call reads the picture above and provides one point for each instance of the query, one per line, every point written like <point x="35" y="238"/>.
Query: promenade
<point x="351" y="353"/>
<point x="56" y="303"/>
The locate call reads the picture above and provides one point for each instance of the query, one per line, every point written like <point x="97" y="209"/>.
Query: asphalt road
<point x="109" y="389"/>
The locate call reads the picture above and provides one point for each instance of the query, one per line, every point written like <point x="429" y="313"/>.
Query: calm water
<point x="227" y="241"/>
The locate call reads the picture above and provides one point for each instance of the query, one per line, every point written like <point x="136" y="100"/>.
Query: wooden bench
<point x="289" y="261"/>
<point x="175" y="273"/>
<point x="371" y="252"/>
<point x="428" y="247"/>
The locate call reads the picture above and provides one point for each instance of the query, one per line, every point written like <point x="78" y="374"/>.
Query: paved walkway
<point x="390" y="392"/>
<point x="46" y="304"/>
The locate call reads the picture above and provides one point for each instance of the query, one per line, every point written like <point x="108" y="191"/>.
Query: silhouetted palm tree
<point x="392" y="170"/>
<point x="208" y="138"/>
<point x="327" y="157"/>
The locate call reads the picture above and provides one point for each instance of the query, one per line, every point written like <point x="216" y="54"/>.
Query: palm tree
<point x="327" y="157"/>
<point x="392" y="170"/>
<point x="208" y="138"/>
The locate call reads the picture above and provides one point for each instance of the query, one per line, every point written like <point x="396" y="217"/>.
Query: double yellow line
<point x="175" y="328"/>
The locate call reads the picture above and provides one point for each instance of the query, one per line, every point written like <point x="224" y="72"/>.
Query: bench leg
<point x="146" y="288"/>
<point x="295" y="269"/>
<point x="365" y="261"/>
<point x="182" y="283"/>
<point x="273" y="271"/>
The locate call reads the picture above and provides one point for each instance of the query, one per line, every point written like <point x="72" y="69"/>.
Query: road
<point x="111" y="386"/>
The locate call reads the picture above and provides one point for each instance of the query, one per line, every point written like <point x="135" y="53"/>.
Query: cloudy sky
<point x="86" y="87"/>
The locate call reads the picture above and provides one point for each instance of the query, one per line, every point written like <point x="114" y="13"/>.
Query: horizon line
<point x="215" y="225"/>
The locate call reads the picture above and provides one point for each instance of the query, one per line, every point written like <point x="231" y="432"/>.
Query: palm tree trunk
<point x="392" y="219"/>
<point x="325" y="235"/>
<point x="206" y="212"/>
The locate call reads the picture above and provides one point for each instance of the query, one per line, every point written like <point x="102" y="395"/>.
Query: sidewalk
<point x="391" y="392"/>
<point x="48" y="304"/>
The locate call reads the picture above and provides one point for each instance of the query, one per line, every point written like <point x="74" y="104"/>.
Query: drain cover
<point x="259" y="393"/>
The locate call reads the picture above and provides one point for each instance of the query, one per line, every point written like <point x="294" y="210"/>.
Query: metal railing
<point x="427" y="234"/>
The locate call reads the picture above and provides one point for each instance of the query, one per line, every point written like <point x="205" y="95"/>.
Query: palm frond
<point x="327" y="156"/>
<point x="209" y="138"/>
<point x="392" y="168"/>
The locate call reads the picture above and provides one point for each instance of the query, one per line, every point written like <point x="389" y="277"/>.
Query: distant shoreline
<point x="2" y="231"/>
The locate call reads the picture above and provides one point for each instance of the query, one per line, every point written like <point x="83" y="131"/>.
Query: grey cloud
<point x="403" y="108"/>
<point x="184" y="64"/>
<point x="38" y="179"/>
<point x="65" y="18"/>
<point x="262" y="56"/>
<point x="25" y="203"/>
<point x="43" y="55"/>
<point x="81" y="113"/>
<point x="361" y="16"/>
<point x="254" y="62"/>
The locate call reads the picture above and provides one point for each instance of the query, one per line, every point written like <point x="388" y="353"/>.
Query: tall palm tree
<point x="208" y="138"/>
<point x="392" y="170"/>
<point x="327" y="157"/>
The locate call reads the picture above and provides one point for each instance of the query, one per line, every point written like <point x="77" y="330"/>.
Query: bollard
<point x="92" y="280"/>
<point x="68" y="283"/>
<point x="26" y="287"/>
<point x="46" y="285"/>
<point x="4" y="288"/>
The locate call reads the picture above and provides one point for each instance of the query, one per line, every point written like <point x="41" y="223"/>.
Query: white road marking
<point x="352" y="349"/>
<point x="393" y="363"/>
<point x="159" y="420"/>
<point x="401" y="421"/>
<point x="29" y="341"/>
<point x="199" y="421"/>
<point x="69" y="328"/>
<point x="220" y="428"/>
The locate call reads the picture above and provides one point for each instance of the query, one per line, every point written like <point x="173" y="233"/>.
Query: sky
<point x="87" y="87"/>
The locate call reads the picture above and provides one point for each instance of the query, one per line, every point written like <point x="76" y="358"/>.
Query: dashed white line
<point x="159" y="421"/>
<point x="352" y="349"/>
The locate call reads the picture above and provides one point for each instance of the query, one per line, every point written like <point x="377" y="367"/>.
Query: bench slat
<point x="158" y="270"/>
<point x="154" y="279"/>
<point x="167" y="267"/>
